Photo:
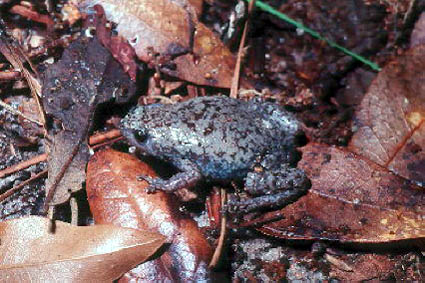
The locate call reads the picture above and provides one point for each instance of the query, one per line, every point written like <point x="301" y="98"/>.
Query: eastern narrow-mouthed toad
<point x="222" y="139"/>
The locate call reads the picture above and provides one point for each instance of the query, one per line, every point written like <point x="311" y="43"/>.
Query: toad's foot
<point x="268" y="202"/>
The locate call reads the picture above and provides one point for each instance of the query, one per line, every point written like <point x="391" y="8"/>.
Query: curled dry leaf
<point x="389" y="123"/>
<point x="171" y="28"/>
<point x="352" y="199"/>
<point x="30" y="252"/>
<point x="115" y="196"/>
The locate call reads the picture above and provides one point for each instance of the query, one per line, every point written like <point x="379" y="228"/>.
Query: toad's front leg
<point x="189" y="176"/>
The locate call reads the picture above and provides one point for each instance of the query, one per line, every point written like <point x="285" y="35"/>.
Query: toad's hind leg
<point x="267" y="202"/>
<point x="189" y="176"/>
<point x="269" y="180"/>
<point x="272" y="188"/>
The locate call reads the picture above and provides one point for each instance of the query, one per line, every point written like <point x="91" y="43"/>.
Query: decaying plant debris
<point x="70" y="70"/>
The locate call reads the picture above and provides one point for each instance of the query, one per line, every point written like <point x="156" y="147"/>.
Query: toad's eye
<point x="135" y="137"/>
<point x="140" y="136"/>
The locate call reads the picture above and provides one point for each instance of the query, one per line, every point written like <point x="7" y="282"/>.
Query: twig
<point x="112" y="135"/>
<point x="163" y="99"/>
<point x="23" y="165"/>
<point x="236" y="74"/>
<point x="223" y="233"/>
<point x="19" y="113"/>
<point x="101" y="137"/>
<point x="338" y="263"/>
<point x="63" y="41"/>
<point x="32" y="15"/>
<point x="110" y="141"/>
<point x="21" y="185"/>
<point x="96" y="140"/>
<point x="9" y="75"/>
<point x="74" y="211"/>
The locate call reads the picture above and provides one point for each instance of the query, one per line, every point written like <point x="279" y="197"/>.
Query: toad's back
<point x="221" y="135"/>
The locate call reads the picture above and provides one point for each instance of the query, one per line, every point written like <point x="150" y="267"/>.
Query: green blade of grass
<point x="267" y="8"/>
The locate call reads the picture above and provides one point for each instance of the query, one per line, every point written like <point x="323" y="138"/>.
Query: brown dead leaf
<point x="171" y="28"/>
<point x="197" y="5"/>
<point x="115" y="196"/>
<point x="389" y="124"/>
<point x="28" y="107"/>
<point x="352" y="200"/>
<point x="167" y="26"/>
<point x="211" y="63"/>
<point x="364" y="267"/>
<point x="418" y="34"/>
<point x="29" y="252"/>
<point x="84" y="77"/>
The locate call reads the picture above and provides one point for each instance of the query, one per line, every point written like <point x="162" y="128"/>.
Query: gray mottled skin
<point x="222" y="139"/>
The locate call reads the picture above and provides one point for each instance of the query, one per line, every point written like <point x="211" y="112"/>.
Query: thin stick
<point x="101" y="137"/>
<point x="236" y="74"/>
<point x="9" y="75"/>
<point x="223" y="232"/>
<point x="23" y="165"/>
<point x="74" y="211"/>
<point x="107" y="142"/>
<point x="21" y="185"/>
<point x="96" y="140"/>
<point x="32" y="15"/>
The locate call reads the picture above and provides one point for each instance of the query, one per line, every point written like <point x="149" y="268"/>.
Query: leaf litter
<point x="332" y="158"/>
<point x="182" y="46"/>
<point x="373" y="191"/>
<point x="117" y="197"/>
<point x="389" y="124"/>
<point x="30" y="252"/>
<point x="352" y="200"/>
<point x="72" y="89"/>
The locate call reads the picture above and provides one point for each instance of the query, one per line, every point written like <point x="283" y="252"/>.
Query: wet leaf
<point x="389" y="124"/>
<point x="171" y="28"/>
<point x="30" y="252"/>
<point x="352" y="199"/>
<point x="72" y="89"/>
<point x="116" y="197"/>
